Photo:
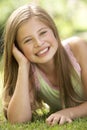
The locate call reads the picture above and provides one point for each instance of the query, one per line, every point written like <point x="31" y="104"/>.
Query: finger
<point x="17" y="54"/>
<point x="15" y="50"/>
<point x="62" y="120"/>
<point x="69" y="120"/>
<point x="55" y="121"/>
<point x="49" y="120"/>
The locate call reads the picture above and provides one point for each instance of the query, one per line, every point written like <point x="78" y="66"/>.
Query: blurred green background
<point x="70" y="16"/>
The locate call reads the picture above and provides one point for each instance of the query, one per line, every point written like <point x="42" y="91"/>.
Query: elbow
<point x="19" y="118"/>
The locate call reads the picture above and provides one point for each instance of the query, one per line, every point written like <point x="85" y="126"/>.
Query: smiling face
<point x="37" y="41"/>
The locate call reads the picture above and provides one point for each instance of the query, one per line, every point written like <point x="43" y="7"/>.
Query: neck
<point x="47" y="68"/>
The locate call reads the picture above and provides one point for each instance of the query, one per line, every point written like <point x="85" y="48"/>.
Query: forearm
<point x="19" y="109"/>
<point x="79" y="111"/>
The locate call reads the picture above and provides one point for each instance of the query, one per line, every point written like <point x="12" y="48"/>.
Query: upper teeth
<point x="43" y="51"/>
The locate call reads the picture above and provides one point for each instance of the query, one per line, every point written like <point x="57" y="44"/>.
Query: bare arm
<point x="19" y="109"/>
<point x="79" y="48"/>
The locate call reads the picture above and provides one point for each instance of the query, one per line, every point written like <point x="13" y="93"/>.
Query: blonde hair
<point x="63" y="65"/>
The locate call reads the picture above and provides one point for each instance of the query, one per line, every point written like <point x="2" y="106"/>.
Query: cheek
<point x="27" y="52"/>
<point x="51" y="37"/>
<point x="53" y="41"/>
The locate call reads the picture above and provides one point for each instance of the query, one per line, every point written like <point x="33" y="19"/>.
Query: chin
<point x="43" y="61"/>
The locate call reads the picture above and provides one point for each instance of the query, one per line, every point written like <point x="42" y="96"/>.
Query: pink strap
<point x="73" y="59"/>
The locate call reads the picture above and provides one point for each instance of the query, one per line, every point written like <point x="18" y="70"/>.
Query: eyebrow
<point x="42" y="29"/>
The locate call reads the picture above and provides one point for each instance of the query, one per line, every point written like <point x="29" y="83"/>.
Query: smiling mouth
<point x="43" y="52"/>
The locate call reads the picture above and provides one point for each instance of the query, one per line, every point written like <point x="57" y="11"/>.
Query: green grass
<point x="80" y="124"/>
<point x="38" y="124"/>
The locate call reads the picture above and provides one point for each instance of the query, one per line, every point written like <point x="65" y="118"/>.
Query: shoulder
<point x="78" y="47"/>
<point x="75" y="42"/>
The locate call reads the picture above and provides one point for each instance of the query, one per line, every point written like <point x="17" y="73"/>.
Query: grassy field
<point x="39" y="124"/>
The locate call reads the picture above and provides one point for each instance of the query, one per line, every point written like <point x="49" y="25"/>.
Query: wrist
<point x="74" y="112"/>
<point x="24" y="66"/>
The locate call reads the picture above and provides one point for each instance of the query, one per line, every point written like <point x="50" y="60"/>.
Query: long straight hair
<point x="62" y="62"/>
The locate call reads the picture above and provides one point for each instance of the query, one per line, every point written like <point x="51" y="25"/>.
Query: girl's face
<point x="37" y="41"/>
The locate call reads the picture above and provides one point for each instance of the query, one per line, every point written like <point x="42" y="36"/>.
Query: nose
<point x="38" y="42"/>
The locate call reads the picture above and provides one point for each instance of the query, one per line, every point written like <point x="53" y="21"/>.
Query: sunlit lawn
<point x="39" y="124"/>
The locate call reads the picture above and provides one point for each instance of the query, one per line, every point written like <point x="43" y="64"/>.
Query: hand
<point x="59" y="117"/>
<point x="18" y="55"/>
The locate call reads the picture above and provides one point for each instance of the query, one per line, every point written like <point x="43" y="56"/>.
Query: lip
<point x="43" y="51"/>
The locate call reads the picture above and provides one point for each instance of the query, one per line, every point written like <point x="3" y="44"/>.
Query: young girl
<point x="40" y="68"/>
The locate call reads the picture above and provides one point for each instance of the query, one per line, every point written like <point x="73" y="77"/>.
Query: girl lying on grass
<point x="40" y="67"/>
